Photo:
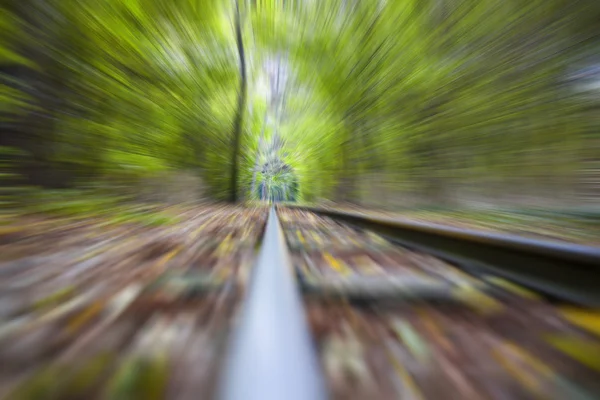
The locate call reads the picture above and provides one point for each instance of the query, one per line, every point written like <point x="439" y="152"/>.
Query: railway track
<point x="395" y="322"/>
<point x="319" y="306"/>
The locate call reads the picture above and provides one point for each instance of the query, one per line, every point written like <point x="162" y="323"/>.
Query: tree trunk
<point x="237" y="126"/>
<point x="34" y="132"/>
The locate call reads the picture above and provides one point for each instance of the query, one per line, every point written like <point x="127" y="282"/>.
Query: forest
<point x="387" y="103"/>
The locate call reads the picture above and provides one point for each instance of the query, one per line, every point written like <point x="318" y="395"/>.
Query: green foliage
<point x="427" y="96"/>
<point x="138" y="87"/>
<point x="432" y="96"/>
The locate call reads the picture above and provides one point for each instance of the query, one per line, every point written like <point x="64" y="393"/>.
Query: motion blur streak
<point x="125" y="123"/>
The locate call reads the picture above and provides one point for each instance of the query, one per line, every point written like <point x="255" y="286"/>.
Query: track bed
<point x="391" y="323"/>
<point x="124" y="313"/>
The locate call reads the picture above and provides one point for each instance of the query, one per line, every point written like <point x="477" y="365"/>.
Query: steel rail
<point x="271" y="354"/>
<point x="569" y="272"/>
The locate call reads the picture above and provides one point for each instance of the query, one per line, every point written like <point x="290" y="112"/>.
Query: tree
<point x="239" y="117"/>
<point x="378" y="100"/>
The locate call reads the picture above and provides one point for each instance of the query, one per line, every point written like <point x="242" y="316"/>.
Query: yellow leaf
<point x="513" y="288"/>
<point x="586" y="352"/>
<point x="300" y="237"/>
<point x="586" y="319"/>
<point x="477" y="300"/>
<point x="335" y="264"/>
<point x="87" y="314"/>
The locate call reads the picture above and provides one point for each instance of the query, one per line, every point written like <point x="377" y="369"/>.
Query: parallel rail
<point x="568" y="272"/>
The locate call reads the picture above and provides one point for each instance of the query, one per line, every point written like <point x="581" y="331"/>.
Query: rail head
<point x="271" y="355"/>
<point x="566" y="251"/>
